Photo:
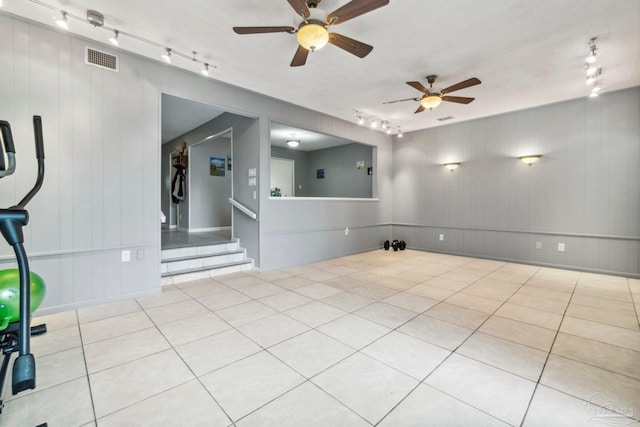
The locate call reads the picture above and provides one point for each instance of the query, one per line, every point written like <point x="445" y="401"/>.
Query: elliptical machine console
<point x="16" y="336"/>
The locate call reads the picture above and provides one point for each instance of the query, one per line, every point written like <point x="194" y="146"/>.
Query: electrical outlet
<point x="538" y="245"/>
<point x="441" y="237"/>
<point x="126" y="256"/>
<point x="561" y="247"/>
<point x="346" y="231"/>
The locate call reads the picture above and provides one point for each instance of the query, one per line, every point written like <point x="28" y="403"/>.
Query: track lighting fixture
<point x="591" y="79"/>
<point x="592" y="70"/>
<point x="166" y="56"/>
<point x="593" y="50"/>
<point x="114" y="38"/>
<point x="97" y="19"/>
<point x="61" y="20"/>
<point x="384" y="125"/>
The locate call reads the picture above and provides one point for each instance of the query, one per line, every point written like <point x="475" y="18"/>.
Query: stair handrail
<point x="245" y="210"/>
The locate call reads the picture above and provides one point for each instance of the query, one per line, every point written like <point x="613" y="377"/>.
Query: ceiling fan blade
<point x="352" y="46"/>
<point x="353" y="9"/>
<point x="402" y="100"/>
<point x="458" y="99"/>
<point x="300" y="58"/>
<point x="467" y="83"/>
<point x="419" y="110"/>
<point x="300" y="6"/>
<point x="418" y="85"/>
<point x="259" y="30"/>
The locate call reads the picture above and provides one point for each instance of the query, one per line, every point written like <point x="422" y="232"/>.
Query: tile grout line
<point x="535" y="388"/>
<point x="454" y="350"/>
<point x="86" y="367"/>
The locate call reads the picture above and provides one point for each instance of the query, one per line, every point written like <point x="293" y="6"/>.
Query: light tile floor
<point x="381" y="338"/>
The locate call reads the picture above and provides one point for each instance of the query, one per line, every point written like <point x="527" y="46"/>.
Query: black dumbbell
<point x="395" y="245"/>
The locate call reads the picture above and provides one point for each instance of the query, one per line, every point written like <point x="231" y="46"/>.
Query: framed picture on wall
<point x="320" y="174"/>
<point x="217" y="166"/>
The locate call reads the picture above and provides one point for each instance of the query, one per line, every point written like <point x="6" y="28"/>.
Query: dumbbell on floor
<point x="395" y="245"/>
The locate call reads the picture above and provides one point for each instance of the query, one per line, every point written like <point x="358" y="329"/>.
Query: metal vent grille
<point x="444" y="119"/>
<point x="100" y="59"/>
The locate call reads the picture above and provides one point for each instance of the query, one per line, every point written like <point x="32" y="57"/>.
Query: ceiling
<point x="526" y="53"/>
<point x="181" y="115"/>
<point x="309" y="140"/>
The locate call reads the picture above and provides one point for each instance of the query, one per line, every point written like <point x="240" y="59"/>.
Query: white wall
<point x="102" y="189"/>
<point x="209" y="205"/>
<point x="584" y="192"/>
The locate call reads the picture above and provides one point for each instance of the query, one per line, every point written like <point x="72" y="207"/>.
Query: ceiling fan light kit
<point x="313" y="32"/>
<point x="431" y="97"/>
<point x="430" y="101"/>
<point x="313" y="36"/>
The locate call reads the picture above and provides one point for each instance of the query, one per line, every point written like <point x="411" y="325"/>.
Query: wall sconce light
<point x="530" y="159"/>
<point x="451" y="166"/>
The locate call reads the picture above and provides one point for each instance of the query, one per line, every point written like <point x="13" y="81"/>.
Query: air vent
<point x="444" y="119"/>
<point x="100" y="59"/>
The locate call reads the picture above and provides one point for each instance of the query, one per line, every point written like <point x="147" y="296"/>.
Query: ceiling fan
<point x="312" y="33"/>
<point x="432" y="98"/>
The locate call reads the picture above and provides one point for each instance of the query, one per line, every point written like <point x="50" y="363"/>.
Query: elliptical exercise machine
<point x="16" y="335"/>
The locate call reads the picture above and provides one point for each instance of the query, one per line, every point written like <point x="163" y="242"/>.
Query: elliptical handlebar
<point x="37" y="133"/>
<point x="5" y="130"/>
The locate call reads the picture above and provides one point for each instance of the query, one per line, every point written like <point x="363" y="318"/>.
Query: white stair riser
<point x="186" y="264"/>
<point x="188" y="277"/>
<point x="199" y="250"/>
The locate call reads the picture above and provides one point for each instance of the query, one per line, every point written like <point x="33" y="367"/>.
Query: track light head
<point x="166" y="56"/>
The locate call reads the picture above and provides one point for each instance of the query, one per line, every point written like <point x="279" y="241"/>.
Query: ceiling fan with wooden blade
<point x="312" y="32"/>
<point x="431" y="97"/>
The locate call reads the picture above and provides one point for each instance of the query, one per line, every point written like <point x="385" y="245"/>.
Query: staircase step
<point x="190" y="251"/>
<point x="199" y="261"/>
<point x="189" y="274"/>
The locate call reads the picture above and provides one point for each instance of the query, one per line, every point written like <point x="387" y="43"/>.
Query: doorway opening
<point x="283" y="177"/>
